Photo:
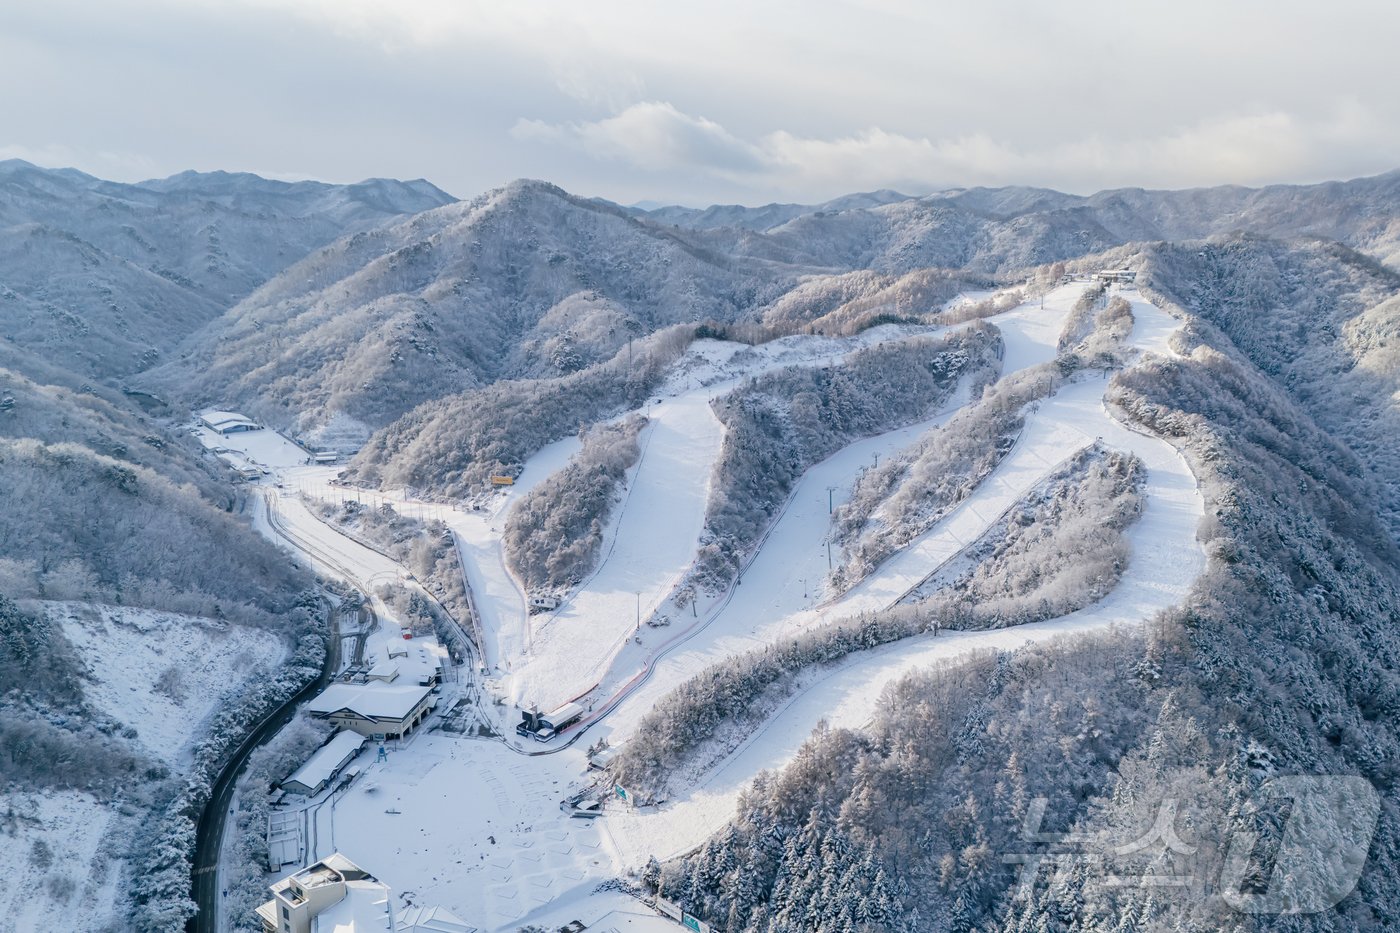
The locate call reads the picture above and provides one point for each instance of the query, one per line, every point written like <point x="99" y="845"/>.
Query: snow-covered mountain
<point x="525" y="280"/>
<point x="1000" y="228"/>
<point x="103" y="278"/>
<point x="1210" y="583"/>
<point x="760" y="219"/>
<point x="218" y="233"/>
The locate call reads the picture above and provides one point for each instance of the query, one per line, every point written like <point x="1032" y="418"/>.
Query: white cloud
<point x="654" y="136"/>
<point x="1251" y="148"/>
<point x="722" y="101"/>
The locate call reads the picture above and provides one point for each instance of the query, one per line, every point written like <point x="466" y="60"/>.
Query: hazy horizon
<point x="728" y="104"/>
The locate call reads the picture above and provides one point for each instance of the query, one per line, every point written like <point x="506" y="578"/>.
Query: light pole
<point x="639" y="611"/>
<point x="830" y="501"/>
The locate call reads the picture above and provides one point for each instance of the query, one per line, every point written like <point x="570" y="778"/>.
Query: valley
<point x="511" y="857"/>
<point x="673" y="561"/>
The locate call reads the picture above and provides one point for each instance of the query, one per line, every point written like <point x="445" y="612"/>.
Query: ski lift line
<point x="649" y="665"/>
<point x="519" y="585"/>
<point x="472" y="610"/>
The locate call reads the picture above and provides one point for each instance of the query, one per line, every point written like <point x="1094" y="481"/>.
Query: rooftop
<point x="322" y="764"/>
<point x="364" y="909"/>
<point x="373" y="700"/>
<point x="215" y="417"/>
<point x="431" y="920"/>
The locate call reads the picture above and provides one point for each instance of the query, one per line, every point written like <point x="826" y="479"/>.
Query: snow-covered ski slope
<point x="654" y="542"/>
<point x="656" y="532"/>
<point x="476" y="822"/>
<point x="1166" y="559"/>
<point x="786" y="578"/>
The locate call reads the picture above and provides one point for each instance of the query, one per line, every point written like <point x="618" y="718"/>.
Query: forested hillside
<point x="105" y="278"/>
<point x="523" y="280"/>
<point x="1282" y="662"/>
<point x="992" y="228"/>
<point x="1320" y="319"/>
<point x="454" y="444"/>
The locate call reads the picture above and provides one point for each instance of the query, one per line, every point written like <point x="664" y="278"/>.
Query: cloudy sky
<point x="721" y="101"/>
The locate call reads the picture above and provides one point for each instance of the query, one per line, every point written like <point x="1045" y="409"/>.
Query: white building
<point x="337" y="896"/>
<point x="375" y="708"/>
<point x="333" y="896"/>
<point x="228" y="422"/>
<point x="327" y="761"/>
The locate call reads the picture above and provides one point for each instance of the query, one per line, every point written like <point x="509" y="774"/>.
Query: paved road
<point x="209" y="832"/>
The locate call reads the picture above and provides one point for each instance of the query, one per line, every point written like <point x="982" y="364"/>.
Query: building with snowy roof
<point x="327" y="761"/>
<point x="228" y="422"/>
<point x="375" y="708"/>
<point x="337" y="896"/>
<point x="334" y="894"/>
<point x="431" y="920"/>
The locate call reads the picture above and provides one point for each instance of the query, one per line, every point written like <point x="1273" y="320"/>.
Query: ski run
<point x="475" y="823"/>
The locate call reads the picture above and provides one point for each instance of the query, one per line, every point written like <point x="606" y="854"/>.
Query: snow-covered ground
<point x="1166" y="559"/>
<point x="655" y="539"/>
<point x="784" y="582"/>
<point x="471" y="825"/>
<point x="161" y="673"/>
<point x="657" y="532"/>
<point x="475" y="825"/>
<point x="60" y="862"/>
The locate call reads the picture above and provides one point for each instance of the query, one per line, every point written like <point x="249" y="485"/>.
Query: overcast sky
<point x="720" y="101"/>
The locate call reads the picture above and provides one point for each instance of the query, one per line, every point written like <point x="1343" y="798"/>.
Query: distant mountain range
<point x="103" y="278"/>
<point x="451" y="337"/>
<point x="1361" y="213"/>
<point x="307" y="302"/>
